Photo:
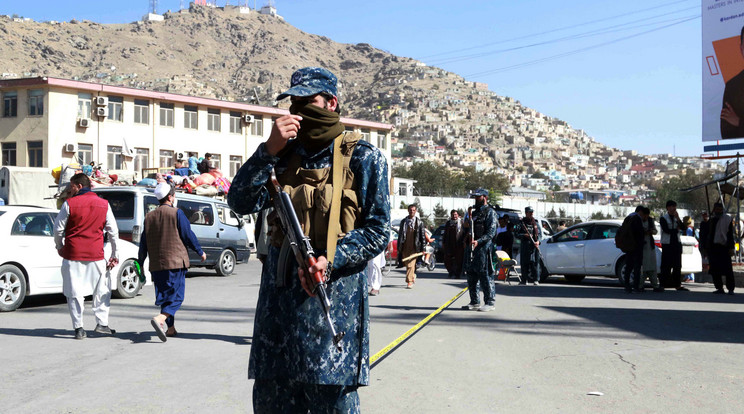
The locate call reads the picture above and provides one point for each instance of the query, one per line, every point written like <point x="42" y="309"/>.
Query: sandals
<point x="159" y="329"/>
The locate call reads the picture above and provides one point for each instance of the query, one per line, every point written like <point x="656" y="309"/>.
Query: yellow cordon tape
<point x="413" y="330"/>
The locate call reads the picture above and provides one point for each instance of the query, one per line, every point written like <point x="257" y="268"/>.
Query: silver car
<point x="588" y="249"/>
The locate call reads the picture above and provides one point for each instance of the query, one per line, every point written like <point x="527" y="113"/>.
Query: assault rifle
<point x="532" y="239"/>
<point x="472" y="231"/>
<point x="303" y="252"/>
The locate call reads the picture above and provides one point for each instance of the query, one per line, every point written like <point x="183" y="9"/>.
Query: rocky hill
<point x="215" y="52"/>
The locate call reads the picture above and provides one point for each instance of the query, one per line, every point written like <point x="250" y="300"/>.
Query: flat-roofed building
<point x="47" y="122"/>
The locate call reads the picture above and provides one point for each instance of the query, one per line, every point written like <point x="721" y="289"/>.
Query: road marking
<point x="402" y="338"/>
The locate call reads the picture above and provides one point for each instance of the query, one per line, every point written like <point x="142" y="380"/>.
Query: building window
<point x="257" y="126"/>
<point x="10" y="104"/>
<point x="35" y="154"/>
<point x="236" y="126"/>
<point x="114" y="158"/>
<point x="115" y="108"/>
<point x="236" y="161"/>
<point x="141" y="111"/>
<point x="381" y="141"/>
<point x="213" y="120"/>
<point x="84" y="105"/>
<point x="9" y="153"/>
<point x="85" y="154"/>
<point x="166" y="158"/>
<point x="349" y="128"/>
<point x="141" y="159"/>
<point x="215" y="162"/>
<point x="36" y="102"/>
<point x="402" y="189"/>
<point x="365" y="135"/>
<point x="166" y="114"/>
<point x="190" y="117"/>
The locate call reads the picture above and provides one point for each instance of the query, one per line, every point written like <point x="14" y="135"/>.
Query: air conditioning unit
<point x="248" y="119"/>
<point x="102" y="111"/>
<point x="70" y="148"/>
<point x="84" y="122"/>
<point x="101" y="101"/>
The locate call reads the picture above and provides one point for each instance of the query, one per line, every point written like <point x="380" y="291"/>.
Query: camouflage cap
<point x="479" y="192"/>
<point x="309" y="82"/>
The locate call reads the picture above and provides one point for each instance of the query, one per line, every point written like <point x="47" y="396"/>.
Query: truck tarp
<point x="29" y="186"/>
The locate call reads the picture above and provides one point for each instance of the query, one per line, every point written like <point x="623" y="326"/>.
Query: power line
<point x="573" y="52"/>
<point x="554" y="30"/>
<point x="595" y="32"/>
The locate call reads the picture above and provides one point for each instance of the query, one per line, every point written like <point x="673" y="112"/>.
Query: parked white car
<point x="588" y="249"/>
<point x="30" y="265"/>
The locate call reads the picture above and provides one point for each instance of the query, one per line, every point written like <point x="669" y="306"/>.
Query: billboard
<point x="723" y="69"/>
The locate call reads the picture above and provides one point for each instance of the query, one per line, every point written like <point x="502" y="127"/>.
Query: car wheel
<point x="574" y="278"/>
<point x="431" y="264"/>
<point x="12" y="288"/>
<point x="619" y="270"/>
<point x="127" y="281"/>
<point x="544" y="275"/>
<point x="226" y="263"/>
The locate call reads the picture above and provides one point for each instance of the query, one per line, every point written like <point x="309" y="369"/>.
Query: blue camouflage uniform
<point x="480" y="268"/>
<point x="291" y="340"/>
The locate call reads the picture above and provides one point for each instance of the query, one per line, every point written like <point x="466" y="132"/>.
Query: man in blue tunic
<point x="480" y="268"/>
<point x="293" y="359"/>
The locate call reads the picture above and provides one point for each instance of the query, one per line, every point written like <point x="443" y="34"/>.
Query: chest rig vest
<point x="479" y="222"/>
<point x="311" y="192"/>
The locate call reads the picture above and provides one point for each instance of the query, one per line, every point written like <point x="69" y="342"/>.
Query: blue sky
<point x="640" y="93"/>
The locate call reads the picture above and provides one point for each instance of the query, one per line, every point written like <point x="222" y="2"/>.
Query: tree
<point x="562" y="213"/>
<point x="489" y="180"/>
<point x="440" y="215"/>
<point x="598" y="215"/>
<point x="551" y="213"/>
<point x="694" y="200"/>
<point x="619" y="213"/>
<point x="539" y="174"/>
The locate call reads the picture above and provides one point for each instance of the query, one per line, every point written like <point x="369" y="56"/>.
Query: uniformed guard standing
<point x="480" y="268"/>
<point x="529" y="236"/>
<point x="293" y="359"/>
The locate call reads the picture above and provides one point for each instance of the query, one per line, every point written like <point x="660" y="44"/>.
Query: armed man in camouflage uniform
<point x="529" y="237"/>
<point x="480" y="268"/>
<point x="293" y="359"/>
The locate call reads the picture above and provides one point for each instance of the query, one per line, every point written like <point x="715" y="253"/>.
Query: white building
<point x="47" y="122"/>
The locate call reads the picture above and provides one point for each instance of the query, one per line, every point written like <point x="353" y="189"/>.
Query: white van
<point x="220" y="231"/>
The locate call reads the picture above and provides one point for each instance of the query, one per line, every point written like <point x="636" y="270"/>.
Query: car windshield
<point x="122" y="203"/>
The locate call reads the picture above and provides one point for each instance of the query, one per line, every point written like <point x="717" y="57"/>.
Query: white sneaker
<point x="486" y="308"/>
<point x="536" y="283"/>
<point x="471" y="306"/>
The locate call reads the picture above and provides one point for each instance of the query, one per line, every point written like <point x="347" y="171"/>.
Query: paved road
<point x="544" y="349"/>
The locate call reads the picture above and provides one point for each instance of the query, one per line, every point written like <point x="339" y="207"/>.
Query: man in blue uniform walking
<point x="293" y="359"/>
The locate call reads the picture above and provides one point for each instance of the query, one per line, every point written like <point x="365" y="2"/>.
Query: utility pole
<point x="154" y="6"/>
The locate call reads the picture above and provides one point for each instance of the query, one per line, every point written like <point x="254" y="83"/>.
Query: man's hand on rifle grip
<point x="306" y="280"/>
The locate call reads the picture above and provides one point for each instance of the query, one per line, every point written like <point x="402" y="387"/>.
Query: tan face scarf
<point x="318" y="127"/>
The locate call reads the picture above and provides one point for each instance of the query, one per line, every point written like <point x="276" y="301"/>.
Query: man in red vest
<point x="81" y="222"/>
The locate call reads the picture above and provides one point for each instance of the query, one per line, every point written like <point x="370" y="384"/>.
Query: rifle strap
<point x="334" y="217"/>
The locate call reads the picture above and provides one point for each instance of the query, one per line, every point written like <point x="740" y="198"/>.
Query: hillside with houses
<point x="238" y="54"/>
